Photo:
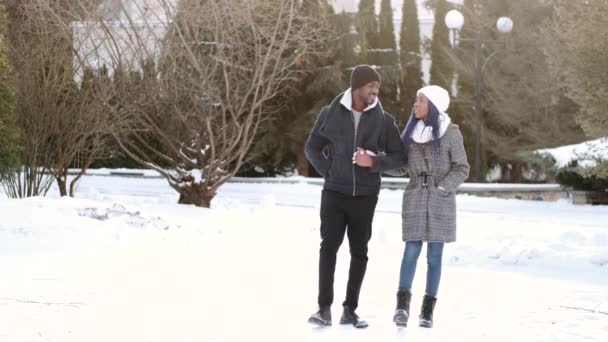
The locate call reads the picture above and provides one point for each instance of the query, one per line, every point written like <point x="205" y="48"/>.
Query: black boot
<point x="322" y="317"/>
<point x="402" y="313"/>
<point x="350" y="317"/>
<point x="426" y="314"/>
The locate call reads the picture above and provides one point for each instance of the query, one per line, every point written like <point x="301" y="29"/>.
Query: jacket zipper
<point x="425" y="156"/>
<point x="352" y="118"/>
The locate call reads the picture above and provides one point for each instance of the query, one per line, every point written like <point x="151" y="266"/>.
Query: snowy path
<point x="126" y="264"/>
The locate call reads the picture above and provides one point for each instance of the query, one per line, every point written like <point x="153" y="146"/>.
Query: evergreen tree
<point x="386" y="36"/>
<point x="442" y="69"/>
<point x="386" y="57"/>
<point x="367" y="27"/>
<point x="330" y="78"/>
<point x="462" y="110"/>
<point x="9" y="134"/>
<point x="410" y="58"/>
<point x="523" y="107"/>
<point x="578" y="54"/>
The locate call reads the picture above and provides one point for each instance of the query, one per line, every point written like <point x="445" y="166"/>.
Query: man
<point x="351" y="143"/>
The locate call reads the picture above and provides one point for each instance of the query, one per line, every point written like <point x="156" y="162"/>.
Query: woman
<point x="437" y="165"/>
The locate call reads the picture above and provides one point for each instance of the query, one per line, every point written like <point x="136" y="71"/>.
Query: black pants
<point x="342" y="214"/>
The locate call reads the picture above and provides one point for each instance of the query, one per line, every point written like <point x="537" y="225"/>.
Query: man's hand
<point x="362" y="159"/>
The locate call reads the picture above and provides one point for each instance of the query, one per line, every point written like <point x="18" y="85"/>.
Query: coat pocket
<point x="328" y="153"/>
<point x="443" y="192"/>
<point x="410" y="204"/>
<point x="442" y="209"/>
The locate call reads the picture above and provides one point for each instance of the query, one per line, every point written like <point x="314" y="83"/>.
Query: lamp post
<point x="454" y="21"/>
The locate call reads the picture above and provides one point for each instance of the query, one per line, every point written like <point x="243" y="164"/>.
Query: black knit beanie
<point x="362" y="75"/>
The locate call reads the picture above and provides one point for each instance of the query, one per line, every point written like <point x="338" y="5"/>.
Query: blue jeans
<point x="434" y="253"/>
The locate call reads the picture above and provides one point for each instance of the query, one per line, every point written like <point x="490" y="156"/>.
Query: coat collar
<point x="423" y="134"/>
<point x="347" y="101"/>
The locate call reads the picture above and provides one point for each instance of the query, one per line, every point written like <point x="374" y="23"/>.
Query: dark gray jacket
<point x="332" y="142"/>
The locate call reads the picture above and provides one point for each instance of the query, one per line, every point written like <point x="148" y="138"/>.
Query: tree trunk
<point x="198" y="197"/>
<point x="62" y="182"/>
<point x="303" y="166"/>
<point x="505" y="172"/>
<point x="62" y="185"/>
<point x="81" y="173"/>
<point x="511" y="172"/>
<point x="517" y="172"/>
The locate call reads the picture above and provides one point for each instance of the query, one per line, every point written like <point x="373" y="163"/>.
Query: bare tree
<point x="206" y="73"/>
<point x="60" y="107"/>
<point x="30" y="178"/>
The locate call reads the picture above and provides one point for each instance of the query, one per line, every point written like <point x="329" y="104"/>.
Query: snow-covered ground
<point x="123" y="262"/>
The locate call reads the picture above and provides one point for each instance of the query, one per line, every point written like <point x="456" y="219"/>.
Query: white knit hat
<point x="439" y="96"/>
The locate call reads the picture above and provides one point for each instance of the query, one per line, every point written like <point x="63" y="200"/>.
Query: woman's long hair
<point x="432" y="120"/>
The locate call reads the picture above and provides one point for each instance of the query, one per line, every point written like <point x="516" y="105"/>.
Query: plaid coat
<point x="429" y="213"/>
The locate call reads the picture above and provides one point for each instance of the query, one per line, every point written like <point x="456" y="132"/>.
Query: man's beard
<point x="371" y="99"/>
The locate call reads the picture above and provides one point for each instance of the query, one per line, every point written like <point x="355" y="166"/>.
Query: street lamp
<point x="454" y="20"/>
<point x="504" y="24"/>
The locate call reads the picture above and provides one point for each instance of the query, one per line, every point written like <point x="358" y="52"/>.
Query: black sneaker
<point x="322" y="317"/>
<point x="349" y="317"/>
